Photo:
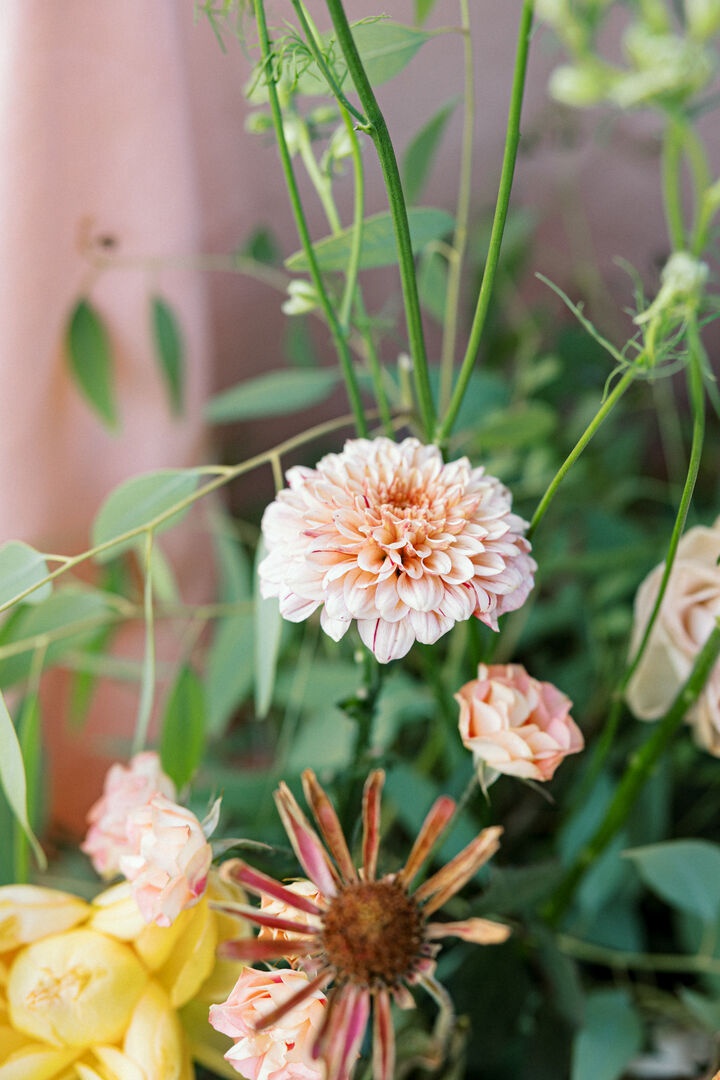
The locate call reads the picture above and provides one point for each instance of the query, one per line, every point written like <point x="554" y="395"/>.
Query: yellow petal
<point x="75" y="989"/>
<point x="29" y="912"/>
<point x="115" y="912"/>
<point x="37" y="1063"/>
<point x="191" y="962"/>
<point x="156" y="944"/>
<point x="114" y="1065"/>
<point x="154" y="1038"/>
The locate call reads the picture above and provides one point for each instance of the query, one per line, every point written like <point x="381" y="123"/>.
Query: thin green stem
<point x="147" y="681"/>
<point x="377" y="129"/>
<point x="353" y="267"/>
<point x="512" y="141"/>
<point x="313" y="41"/>
<point x="671" y="183"/>
<point x="462" y="217"/>
<point x="632" y="961"/>
<point x="697" y="400"/>
<point x="339" y="338"/>
<point x="605" y="409"/>
<point x="636" y="774"/>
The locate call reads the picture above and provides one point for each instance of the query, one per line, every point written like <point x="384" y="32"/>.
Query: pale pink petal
<point x="371" y="822"/>
<point x="383" y="1038"/>
<point x="479" y="931"/>
<point x="306" y="843"/>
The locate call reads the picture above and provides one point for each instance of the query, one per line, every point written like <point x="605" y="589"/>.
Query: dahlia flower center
<point x="372" y="933"/>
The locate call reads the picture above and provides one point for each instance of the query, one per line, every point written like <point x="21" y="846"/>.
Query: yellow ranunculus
<point x="92" y="992"/>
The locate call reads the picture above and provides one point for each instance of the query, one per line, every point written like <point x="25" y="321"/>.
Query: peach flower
<point x="389" y="535"/>
<point x="516" y="725"/>
<point x="126" y="788"/>
<point x="284" y="1050"/>
<point x="687" y="616"/>
<point x="169" y="860"/>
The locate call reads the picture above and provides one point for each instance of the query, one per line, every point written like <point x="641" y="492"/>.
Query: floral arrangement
<point x="442" y="632"/>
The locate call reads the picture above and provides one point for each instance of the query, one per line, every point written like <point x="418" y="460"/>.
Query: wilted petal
<point x="479" y="931"/>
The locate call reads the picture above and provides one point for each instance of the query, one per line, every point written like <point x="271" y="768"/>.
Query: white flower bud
<point x="681" y="283"/>
<point x="579" y="85"/>
<point x="703" y="17"/>
<point x="302" y="297"/>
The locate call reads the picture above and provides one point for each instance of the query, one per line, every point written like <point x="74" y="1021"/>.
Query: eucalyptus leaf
<point x="609" y="1039"/>
<point x="13" y="780"/>
<point x="378" y="241"/>
<point x="385" y="48"/>
<point x="684" y="873"/>
<point x="136" y="503"/>
<point x="268" y="631"/>
<point x="91" y="363"/>
<point x="229" y="671"/>
<point x="170" y="351"/>
<point x="420" y="152"/>
<point x="423" y="9"/>
<point x="182" y="737"/>
<point x="277" y="393"/>
<point x="22" y="567"/>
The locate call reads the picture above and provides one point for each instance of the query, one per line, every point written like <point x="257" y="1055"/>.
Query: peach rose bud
<point x="170" y="859"/>
<point x="515" y="725"/>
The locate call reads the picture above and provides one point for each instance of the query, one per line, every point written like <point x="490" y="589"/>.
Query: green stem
<point x="147" y="682"/>
<point x="512" y="140"/>
<point x="313" y="41"/>
<point x="338" y="336"/>
<point x="378" y="132"/>
<point x="351" y="274"/>
<point x="636" y="774"/>
<point x="610" y="401"/>
<point x="631" y="961"/>
<point x="671" y="183"/>
<point x="697" y="400"/>
<point x="462" y="217"/>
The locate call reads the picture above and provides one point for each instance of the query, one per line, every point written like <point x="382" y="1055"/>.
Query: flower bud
<point x="580" y="85"/>
<point x="681" y="284"/>
<point x="302" y="297"/>
<point x="702" y="17"/>
<point x="258" y="123"/>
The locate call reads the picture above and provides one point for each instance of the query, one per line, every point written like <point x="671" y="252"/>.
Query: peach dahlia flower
<point x="125" y="789"/>
<point x="516" y="725"/>
<point x="368" y="940"/>
<point x="389" y="535"/>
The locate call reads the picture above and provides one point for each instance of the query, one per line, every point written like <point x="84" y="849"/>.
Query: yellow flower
<point x="92" y="992"/>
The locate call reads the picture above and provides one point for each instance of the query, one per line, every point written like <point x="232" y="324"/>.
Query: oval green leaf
<point x="182" y="738"/>
<point x="138" y="503"/>
<point x="684" y="873"/>
<point x="610" y="1037"/>
<point x="91" y="362"/>
<point x="275" y="394"/>
<point x="385" y="48"/>
<point x="21" y="568"/>
<point x="13" y="780"/>
<point x="169" y="350"/>
<point x="427" y="224"/>
<point x="418" y="157"/>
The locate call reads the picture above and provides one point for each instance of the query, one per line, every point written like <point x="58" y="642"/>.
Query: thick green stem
<point x="512" y="141"/>
<point x="635" y="776"/>
<point x="378" y="132"/>
<point x="462" y="217"/>
<point x="338" y="336"/>
<point x="607" y="406"/>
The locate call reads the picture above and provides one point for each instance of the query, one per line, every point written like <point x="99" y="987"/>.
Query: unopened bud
<point x="302" y="297"/>
<point x="703" y="17"/>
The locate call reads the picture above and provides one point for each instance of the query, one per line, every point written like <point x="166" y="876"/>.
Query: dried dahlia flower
<point x="516" y="725"/>
<point x="389" y="535"/>
<point x="368" y="940"/>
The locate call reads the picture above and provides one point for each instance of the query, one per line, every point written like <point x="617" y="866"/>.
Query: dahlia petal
<point x="430" y="831"/>
<point x="421" y="594"/>
<point x="306" y="842"/>
<point x="294" y="608"/>
<point x="479" y="931"/>
<point x="388" y="641"/>
<point x="335" y="626"/>
<point x="383" y="1038"/>
<point x="263" y="885"/>
<point x="451" y="878"/>
<point x="371" y="822"/>
<point x="256" y="950"/>
<point x="428" y="626"/>
<point x="329" y="825"/>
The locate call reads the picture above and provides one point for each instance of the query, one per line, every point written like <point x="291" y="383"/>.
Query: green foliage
<point x="277" y="393"/>
<point x="13" y="780"/>
<point x="170" y="351"/>
<point x="610" y="1037"/>
<point x="136" y="505"/>
<point x="685" y="873"/>
<point x="182" y="737"/>
<point x="91" y="361"/>
<point x="22" y="568"/>
<point x="378" y="242"/>
<point x="420" y="153"/>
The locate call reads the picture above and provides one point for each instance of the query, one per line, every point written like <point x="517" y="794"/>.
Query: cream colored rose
<point x="516" y="725"/>
<point x="689" y="609"/>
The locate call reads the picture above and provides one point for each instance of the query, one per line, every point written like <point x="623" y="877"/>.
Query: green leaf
<point x="21" y="567"/>
<point x="268" y="631"/>
<point x="67" y="619"/>
<point x="386" y="48"/>
<point x="275" y="394"/>
<point x="324" y="740"/>
<point x="418" y="157"/>
<point x="611" y="1036"/>
<point x="170" y="351"/>
<point x="29" y="734"/>
<point x="378" y="243"/>
<point x="13" y="781"/>
<point x="91" y="362"/>
<point x="432" y="284"/>
<point x="137" y="502"/>
<point x="684" y="873"/>
<point x="229" y="670"/>
<point x="182" y="738"/>
<point x="423" y="9"/>
<point x="519" y="426"/>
